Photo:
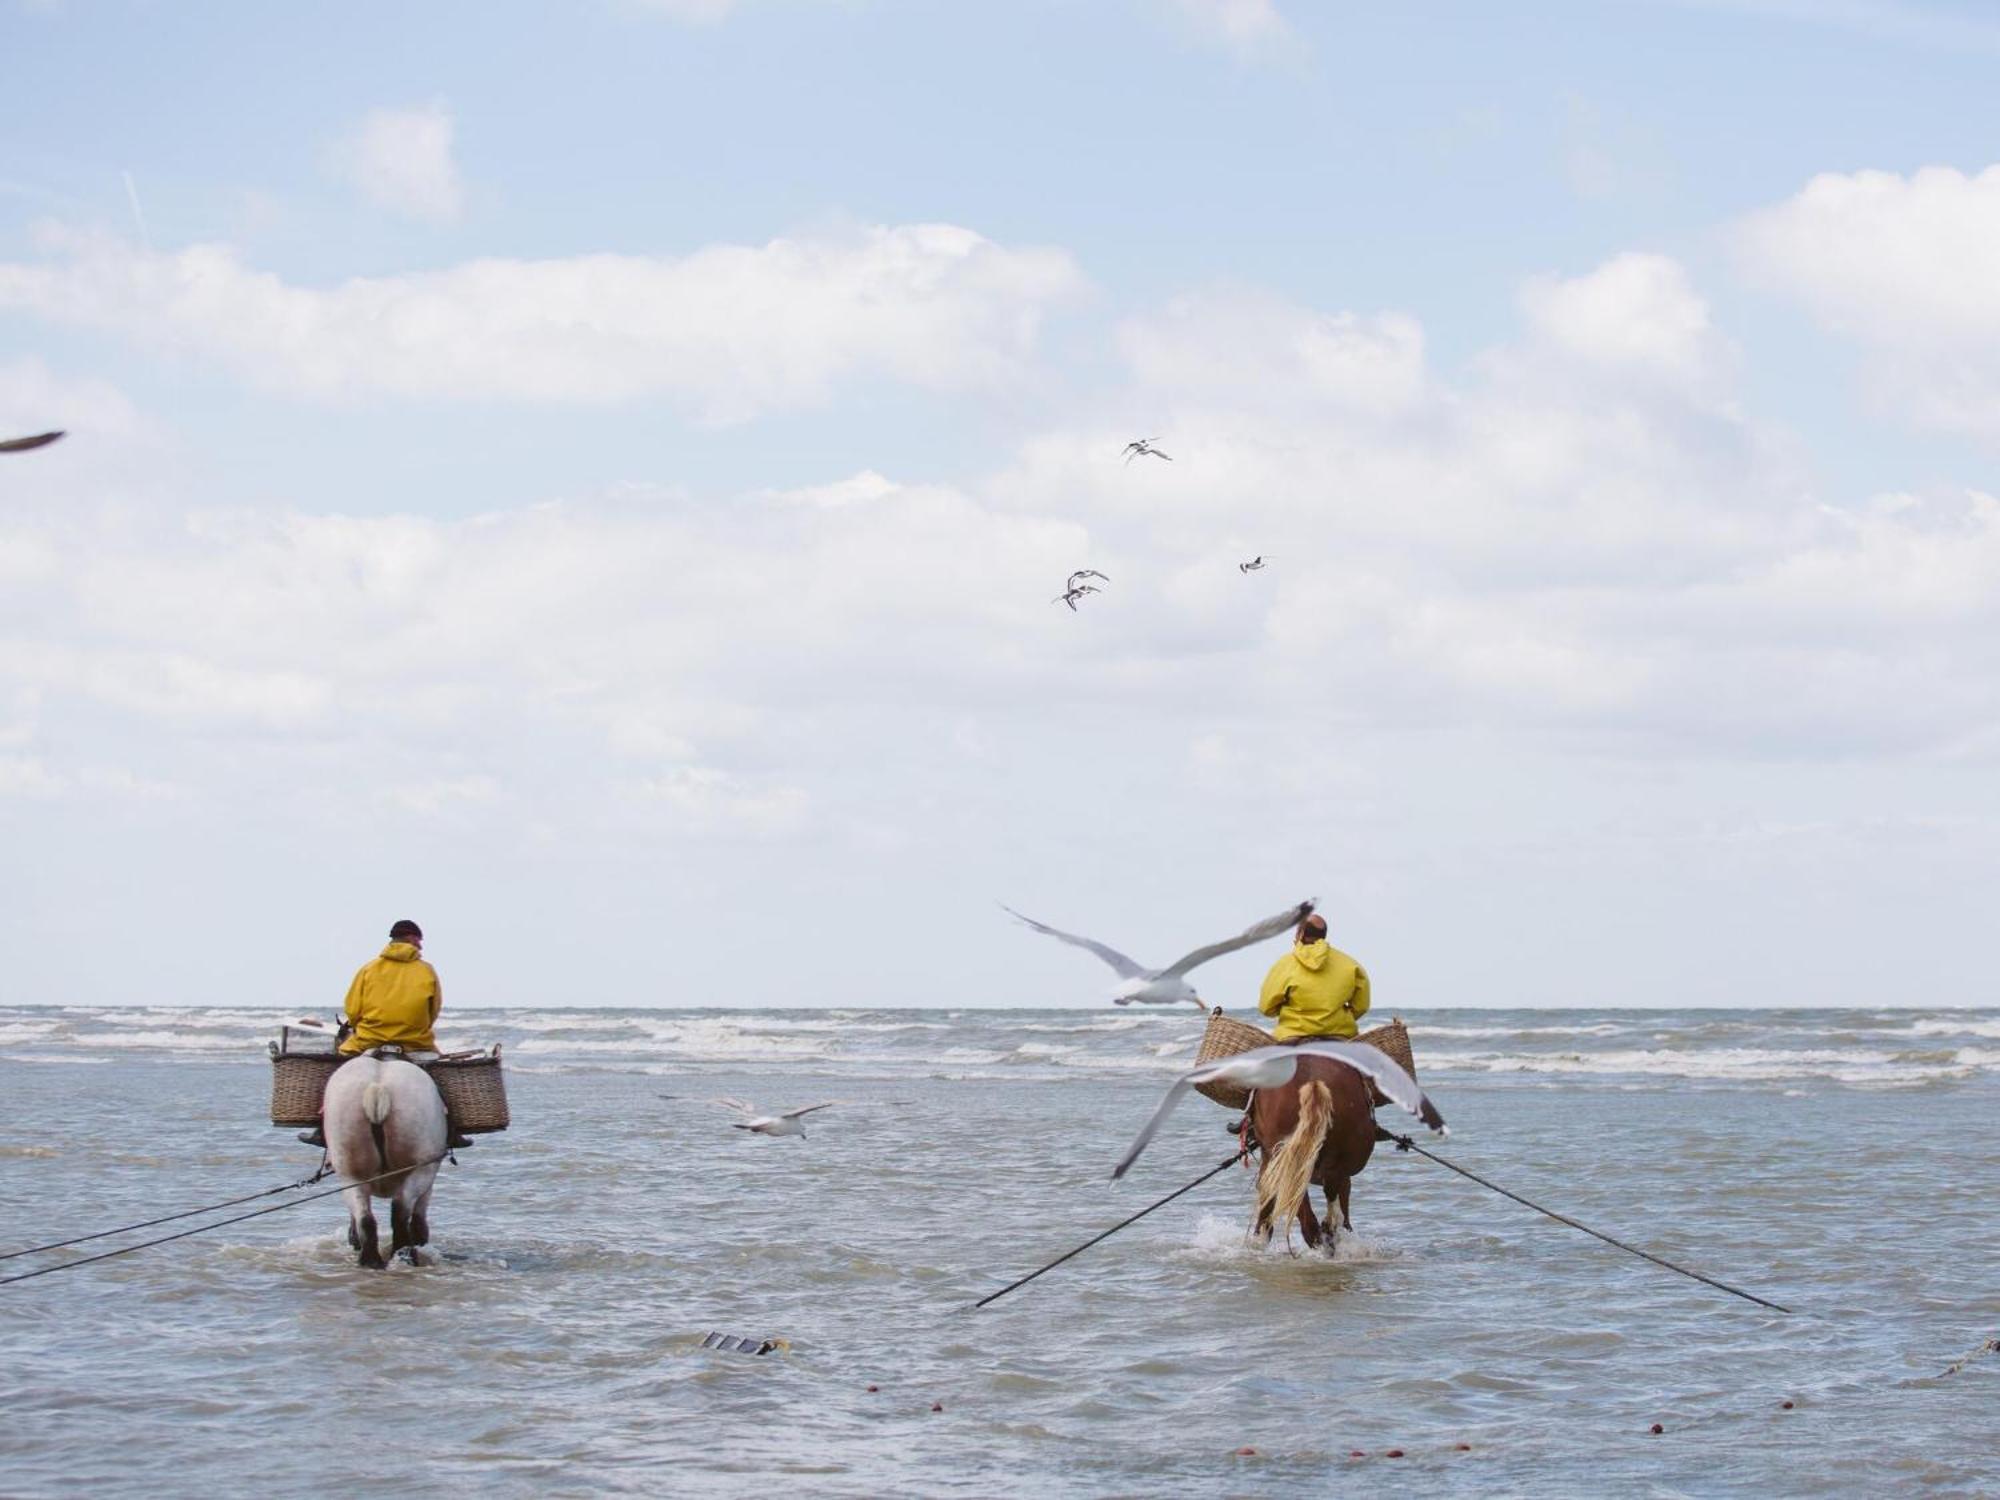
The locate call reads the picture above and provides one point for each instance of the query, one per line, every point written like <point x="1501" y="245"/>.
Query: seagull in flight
<point x="1274" y="1067"/>
<point x="1169" y="986"/>
<point x="1082" y="573"/>
<point x="22" y="445"/>
<point x="1255" y="565"/>
<point x="1143" y="447"/>
<point x="787" y="1123"/>
<point x="1075" y="592"/>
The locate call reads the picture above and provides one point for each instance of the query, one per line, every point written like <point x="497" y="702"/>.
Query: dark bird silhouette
<point x="22" y="445"/>
<point x="1255" y="565"/>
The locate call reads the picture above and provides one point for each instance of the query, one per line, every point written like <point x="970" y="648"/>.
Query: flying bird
<point x="1082" y="573"/>
<point x="1073" y="593"/>
<point x="1143" y="447"/>
<point x="1273" y="1067"/>
<point x="1255" y="565"/>
<point x="1169" y="986"/>
<point x="784" y="1124"/>
<point x="22" y="445"/>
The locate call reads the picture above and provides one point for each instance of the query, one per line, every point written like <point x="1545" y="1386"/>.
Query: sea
<point x="1842" y="1163"/>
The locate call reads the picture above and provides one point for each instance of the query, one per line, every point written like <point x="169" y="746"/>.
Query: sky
<point x="595" y="479"/>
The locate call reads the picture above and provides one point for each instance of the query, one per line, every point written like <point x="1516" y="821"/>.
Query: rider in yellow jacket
<point x="395" y="998"/>
<point x="1315" y="990"/>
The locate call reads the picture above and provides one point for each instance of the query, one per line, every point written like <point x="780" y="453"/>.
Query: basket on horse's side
<point x="475" y="1095"/>
<point x="298" y="1081"/>
<point x="1225" y="1038"/>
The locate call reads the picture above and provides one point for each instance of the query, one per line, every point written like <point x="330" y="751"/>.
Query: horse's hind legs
<point x="399" y="1226"/>
<point x="371" y="1245"/>
<point x="1309" y="1224"/>
<point x="361" y="1234"/>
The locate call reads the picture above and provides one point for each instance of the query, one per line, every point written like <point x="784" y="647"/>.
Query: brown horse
<point x="1319" y="1128"/>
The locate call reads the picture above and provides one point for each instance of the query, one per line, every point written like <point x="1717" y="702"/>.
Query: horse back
<point x="1350" y="1135"/>
<point x="365" y="1138"/>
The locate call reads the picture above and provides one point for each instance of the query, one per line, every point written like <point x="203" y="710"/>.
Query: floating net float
<point x="729" y="1343"/>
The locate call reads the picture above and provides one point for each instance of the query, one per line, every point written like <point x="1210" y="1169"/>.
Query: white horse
<point x="383" y="1114"/>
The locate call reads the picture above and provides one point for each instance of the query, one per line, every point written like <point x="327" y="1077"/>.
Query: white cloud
<point x="1888" y="20"/>
<point x="729" y="331"/>
<point x="402" y="160"/>
<point x="694" y="12"/>
<point x="1904" y="266"/>
<point x="1637" y="313"/>
<point x="1276" y="353"/>
<point x="1581" y="534"/>
<point x="1249" y="28"/>
<point x="701" y="799"/>
<point x="26" y="778"/>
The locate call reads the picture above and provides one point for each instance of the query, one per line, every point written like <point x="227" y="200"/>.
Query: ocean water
<point x="1844" y="1163"/>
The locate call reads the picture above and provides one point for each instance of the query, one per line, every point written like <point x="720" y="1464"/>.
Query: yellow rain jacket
<point x="1315" y="990"/>
<point x="395" y="998"/>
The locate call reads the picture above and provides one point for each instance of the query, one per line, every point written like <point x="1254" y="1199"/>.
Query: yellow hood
<point x="395" y="998"/>
<point x="1315" y="990"/>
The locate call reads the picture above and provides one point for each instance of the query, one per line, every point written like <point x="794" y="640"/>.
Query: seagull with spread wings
<point x="1143" y="448"/>
<point x="1273" y="1067"/>
<point x="787" y="1123"/>
<point x="1169" y="986"/>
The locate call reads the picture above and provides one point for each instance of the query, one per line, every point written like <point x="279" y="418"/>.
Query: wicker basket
<point x="475" y="1094"/>
<point x="1225" y="1038"/>
<point x="298" y="1079"/>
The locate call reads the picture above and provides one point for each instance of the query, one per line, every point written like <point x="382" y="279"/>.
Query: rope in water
<point x="1404" y="1143"/>
<point x="186" y="1213"/>
<point x="255" y="1213"/>
<point x="1071" y="1255"/>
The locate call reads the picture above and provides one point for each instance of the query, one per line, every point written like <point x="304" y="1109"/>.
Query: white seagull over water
<point x="784" y="1124"/>
<point x="1169" y="986"/>
<point x="1273" y="1067"/>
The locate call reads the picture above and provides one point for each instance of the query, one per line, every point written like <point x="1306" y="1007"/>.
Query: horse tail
<point x="375" y="1102"/>
<point x="1282" y="1185"/>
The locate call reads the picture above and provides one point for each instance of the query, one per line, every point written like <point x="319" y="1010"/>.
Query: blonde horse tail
<point x="1282" y="1185"/>
<point x="375" y="1102"/>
